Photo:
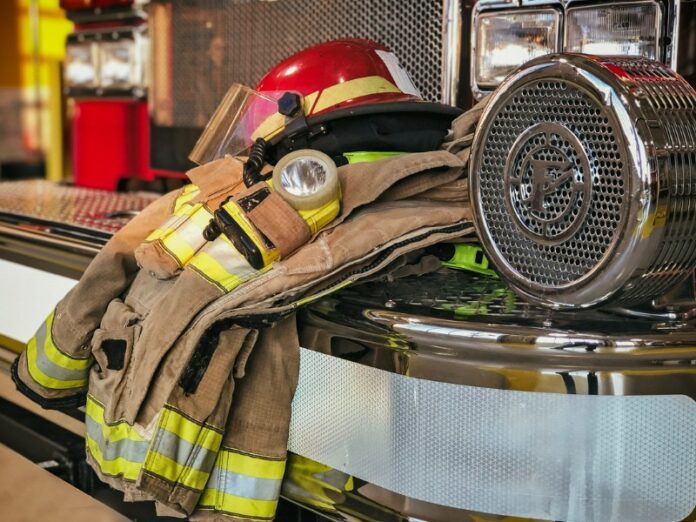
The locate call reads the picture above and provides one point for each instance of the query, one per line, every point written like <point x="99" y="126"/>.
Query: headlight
<point x="307" y="179"/>
<point x="117" y="64"/>
<point x="79" y="68"/>
<point x="632" y="29"/>
<point x="506" y="40"/>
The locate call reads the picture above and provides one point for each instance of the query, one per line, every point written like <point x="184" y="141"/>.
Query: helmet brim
<point x="402" y="126"/>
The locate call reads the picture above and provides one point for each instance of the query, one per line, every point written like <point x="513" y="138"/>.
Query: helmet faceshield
<point x="243" y="116"/>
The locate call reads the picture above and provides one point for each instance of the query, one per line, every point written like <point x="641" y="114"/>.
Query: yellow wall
<point x="32" y="36"/>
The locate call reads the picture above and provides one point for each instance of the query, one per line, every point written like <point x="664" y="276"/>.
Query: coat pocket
<point x="112" y="347"/>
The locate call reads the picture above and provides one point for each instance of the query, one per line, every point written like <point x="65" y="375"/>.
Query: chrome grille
<point x="584" y="180"/>
<point x="531" y="106"/>
<point x="258" y="34"/>
<point x="673" y="101"/>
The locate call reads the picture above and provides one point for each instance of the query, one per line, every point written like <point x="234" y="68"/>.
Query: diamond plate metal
<point x="89" y="209"/>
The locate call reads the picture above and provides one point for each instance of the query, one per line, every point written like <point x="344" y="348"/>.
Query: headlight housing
<point x="307" y="179"/>
<point x="108" y="62"/>
<point x="80" y="65"/>
<point x="618" y="29"/>
<point x="504" y="40"/>
<point x="116" y="64"/>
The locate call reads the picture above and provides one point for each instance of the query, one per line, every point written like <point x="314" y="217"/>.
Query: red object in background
<point x="110" y="142"/>
<point x="70" y="5"/>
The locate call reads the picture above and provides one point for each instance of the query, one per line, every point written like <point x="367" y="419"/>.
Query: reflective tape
<point x="244" y="485"/>
<point x="182" y="209"/>
<point x="221" y="263"/>
<point x="325" y="98"/>
<point x="117" y="448"/>
<point x="184" y="241"/>
<point x="51" y="367"/>
<point x="183" y="451"/>
<point x="534" y="455"/>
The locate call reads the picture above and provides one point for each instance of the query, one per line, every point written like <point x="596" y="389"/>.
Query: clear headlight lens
<point x="79" y="69"/>
<point x="632" y="29"/>
<point x="306" y="179"/>
<point x="117" y="64"/>
<point x="506" y="40"/>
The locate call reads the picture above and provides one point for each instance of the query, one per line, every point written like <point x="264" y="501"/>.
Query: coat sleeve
<point x="54" y="369"/>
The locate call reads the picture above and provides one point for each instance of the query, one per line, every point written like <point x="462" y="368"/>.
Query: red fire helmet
<point x="340" y="96"/>
<point x="342" y="73"/>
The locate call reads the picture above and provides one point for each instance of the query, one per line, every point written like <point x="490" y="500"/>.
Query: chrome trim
<point x="652" y="147"/>
<point x="451" y="50"/>
<point x="465" y="329"/>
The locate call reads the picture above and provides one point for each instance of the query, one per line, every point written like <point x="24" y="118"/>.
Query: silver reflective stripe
<point x="49" y="367"/>
<point x="244" y="485"/>
<point x="180" y="450"/>
<point x="131" y="450"/>
<point x="534" y="455"/>
<point x="229" y="258"/>
<point x="191" y="234"/>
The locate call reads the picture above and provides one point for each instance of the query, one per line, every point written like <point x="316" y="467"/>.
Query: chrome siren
<point x="583" y="180"/>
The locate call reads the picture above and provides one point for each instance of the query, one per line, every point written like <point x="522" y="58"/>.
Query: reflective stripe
<point x="222" y="264"/>
<point x="183" y="451"/>
<point x="188" y="238"/>
<point x="117" y="448"/>
<point x="182" y="209"/>
<point x="244" y="485"/>
<point x="171" y="470"/>
<point x="353" y="89"/>
<point x="52" y="368"/>
<point x="326" y="98"/>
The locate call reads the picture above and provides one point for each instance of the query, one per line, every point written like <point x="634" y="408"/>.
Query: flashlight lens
<point x="306" y="179"/>
<point x="304" y="176"/>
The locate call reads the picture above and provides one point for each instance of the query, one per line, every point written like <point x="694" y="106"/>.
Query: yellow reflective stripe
<point x="117" y="448"/>
<point x="188" y="238"/>
<point x="112" y="432"/>
<point x="253" y="466"/>
<point x="190" y="431"/>
<point x="353" y="89"/>
<point x="56" y="356"/>
<point x="181" y="210"/>
<point x="118" y="466"/>
<point x="43" y="379"/>
<point x="175" y="472"/>
<point x="187" y="194"/>
<point x="221" y="263"/>
<point x="326" y="98"/>
<point x="238" y="505"/>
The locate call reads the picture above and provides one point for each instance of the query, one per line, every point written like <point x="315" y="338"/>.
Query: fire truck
<point x="555" y="390"/>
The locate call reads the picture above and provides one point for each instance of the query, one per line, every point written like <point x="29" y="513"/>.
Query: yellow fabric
<point x="119" y="466"/>
<point x="111" y="432"/>
<point x="56" y="356"/>
<point x="43" y="379"/>
<point x="252" y="466"/>
<point x="175" y="472"/>
<point x="190" y="431"/>
<point x="238" y="505"/>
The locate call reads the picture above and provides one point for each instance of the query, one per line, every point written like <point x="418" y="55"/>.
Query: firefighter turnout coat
<point x="187" y="358"/>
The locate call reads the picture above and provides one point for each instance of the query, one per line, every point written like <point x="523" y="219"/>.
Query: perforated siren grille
<point x="256" y="34"/>
<point x="552" y="235"/>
